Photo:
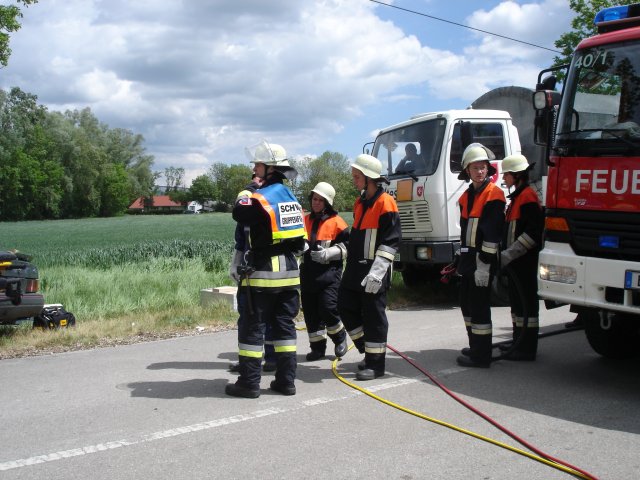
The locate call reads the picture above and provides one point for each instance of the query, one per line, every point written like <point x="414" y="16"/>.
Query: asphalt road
<point x="158" y="410"/>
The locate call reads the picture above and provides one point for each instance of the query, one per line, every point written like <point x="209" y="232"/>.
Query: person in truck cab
<point x="521" y="242"/>
<point x="411" y="162"/>
<point x="373" y="242"/>
<point x="321" y="272"/>
<point x="481" y="223"/>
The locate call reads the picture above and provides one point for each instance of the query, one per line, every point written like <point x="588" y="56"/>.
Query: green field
<point x="104" y="267"/>
<point x="133" y="276"/>
<point x="130" y="275"/>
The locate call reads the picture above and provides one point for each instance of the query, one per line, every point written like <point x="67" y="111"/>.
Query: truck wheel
<point x="612" y="335"/>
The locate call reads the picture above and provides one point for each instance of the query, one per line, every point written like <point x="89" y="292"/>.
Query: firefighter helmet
<point x="476" y="152"/>
<point x="326" y="191"/>
<point x="515" y="163"/>
<point x="268" y="153"/>
<point x="272" y="155"/>
<point x="369" y="165"/>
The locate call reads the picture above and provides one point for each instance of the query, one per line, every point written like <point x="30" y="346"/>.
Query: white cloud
<point x="200" y="80"/>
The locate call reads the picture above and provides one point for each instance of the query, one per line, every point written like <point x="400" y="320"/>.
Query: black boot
<point x="341" y="348"/>
<point x="314" y="355"/>
<point x="464" y="361"/>
<point x="236" y="390"/>
<point x="369" y="374"/>
<point x="269" y="366"/>
<point x="283" y="389"/>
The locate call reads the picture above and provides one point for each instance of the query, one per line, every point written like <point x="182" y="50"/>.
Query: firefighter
<point x="481" y="222"/>
<point x="271" y="278"/>
<point x="373" y="242"/>
<point x="237" y="263"/>
<point x="321" y="271"/>
<point x="521" y="241"/>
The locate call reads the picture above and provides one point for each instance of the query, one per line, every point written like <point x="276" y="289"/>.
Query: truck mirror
<point x="541" y="127"/>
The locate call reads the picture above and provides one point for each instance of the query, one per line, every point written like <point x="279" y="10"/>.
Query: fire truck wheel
<point x="612" y="335"/>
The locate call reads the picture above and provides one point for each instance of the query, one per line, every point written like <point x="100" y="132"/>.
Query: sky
<point x="203" y="79"/>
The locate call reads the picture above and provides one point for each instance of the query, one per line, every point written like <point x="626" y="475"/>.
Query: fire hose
<point x="537" y="455"/>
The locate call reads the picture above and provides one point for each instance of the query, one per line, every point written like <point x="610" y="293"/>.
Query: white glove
<point x="481" y="274"/>
<point x="326" y="255"/>
<point x="373" y="281"/>
<point x="515" y="250"/>
<point x="236" y="261"/>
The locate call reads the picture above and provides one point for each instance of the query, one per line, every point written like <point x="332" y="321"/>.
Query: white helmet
<point x="369" y="165"/>
<point x="274" y="155"/>
<point x="476" y="152"/>
<point x="515" y="163"/>
<point x="326" y="191"/>
<point x="268" y="153"/>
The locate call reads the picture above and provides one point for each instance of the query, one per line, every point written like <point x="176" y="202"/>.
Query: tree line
<point x="70" y="165"/>
<point x="66" y="165"/>
<point x="223" y="182"/>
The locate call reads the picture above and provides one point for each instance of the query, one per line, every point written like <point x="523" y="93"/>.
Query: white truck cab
<point x="421" y="158"/>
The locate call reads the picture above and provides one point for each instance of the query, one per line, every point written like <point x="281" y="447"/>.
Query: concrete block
<point x="211" y="296"/>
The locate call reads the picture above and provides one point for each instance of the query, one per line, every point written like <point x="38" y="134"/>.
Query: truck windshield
<point x="412" y="150"/>
<point x="600" y="114"/>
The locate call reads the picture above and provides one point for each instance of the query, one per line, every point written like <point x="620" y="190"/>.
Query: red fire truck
<point x="591" y="254"/>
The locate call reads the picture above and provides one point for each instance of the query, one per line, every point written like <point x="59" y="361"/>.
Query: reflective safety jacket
<point x="524" y="220"/>
<point x="276" y="232"/>
<point x="375" y="231"/>
<point x="324" y="230"/>
<point x="481" y="223"/>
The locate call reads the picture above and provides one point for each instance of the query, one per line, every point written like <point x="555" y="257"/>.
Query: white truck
<point x="428" y="191"/>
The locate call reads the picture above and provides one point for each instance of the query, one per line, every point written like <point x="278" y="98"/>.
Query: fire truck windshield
<point x="601" y="108"/>
<point x="411" y="150"/>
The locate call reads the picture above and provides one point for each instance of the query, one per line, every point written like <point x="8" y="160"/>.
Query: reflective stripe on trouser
<point x="364" y="317"/>
<point x="321" y="317"/>
<point x="241" y="298"/>
<point x="476" y="311"/>
<point x="277" y="309"/>
<point x="527" y="268"/>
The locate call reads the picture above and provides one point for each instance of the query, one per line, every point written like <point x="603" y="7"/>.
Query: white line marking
<point x="220" y="422"/>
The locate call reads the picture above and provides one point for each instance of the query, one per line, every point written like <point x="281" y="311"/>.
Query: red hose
<point x="489" y="419"/>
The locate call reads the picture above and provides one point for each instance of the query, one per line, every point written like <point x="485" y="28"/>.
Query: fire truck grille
<point x="614" y="235"/>
<point x="415" y="218"/>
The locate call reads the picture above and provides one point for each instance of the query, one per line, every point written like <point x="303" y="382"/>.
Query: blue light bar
<point x="609" y="241"/>
<point x="611" y="13"/>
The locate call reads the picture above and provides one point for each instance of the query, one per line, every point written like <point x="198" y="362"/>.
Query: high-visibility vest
<point x="364" y="232"/>
<point x="529" y="229"/>
<point x="285" y="222"/>
<point x="375" y="232"/>
<point x="327" y="232"/>
<point x="470" y="220"/>
<point x="285" y="213"/>
<point x="330" y="231"/>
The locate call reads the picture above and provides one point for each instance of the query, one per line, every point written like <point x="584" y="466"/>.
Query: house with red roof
<point x="156" y="204"/>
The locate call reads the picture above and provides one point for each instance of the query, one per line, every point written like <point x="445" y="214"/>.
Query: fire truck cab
<point x="591" y="253"/>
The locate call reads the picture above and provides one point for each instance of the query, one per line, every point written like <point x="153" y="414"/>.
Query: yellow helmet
<point x="369" y="165"/>
<point x="326" y="191"/>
